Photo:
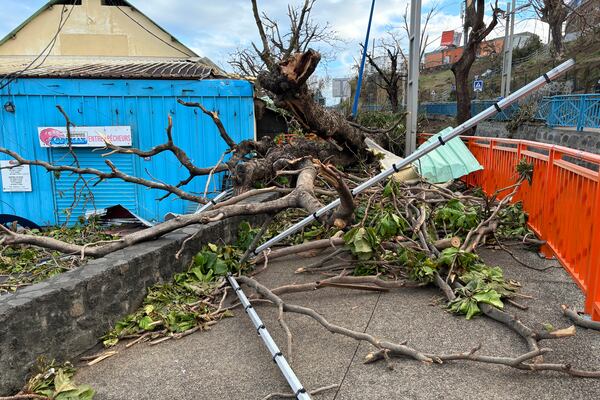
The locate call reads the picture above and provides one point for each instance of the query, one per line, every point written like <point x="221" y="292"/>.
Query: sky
<point x="216" y="28"/>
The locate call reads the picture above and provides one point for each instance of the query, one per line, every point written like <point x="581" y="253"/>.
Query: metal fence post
<point x="551" y="196"/>
<point x="592" y="297"/>
<point x="581" y="116"/>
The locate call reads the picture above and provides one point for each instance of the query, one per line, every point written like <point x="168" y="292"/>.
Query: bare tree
<point x="554" y="13"/>
<point x="280" y="43"/>
<point x="425" y="42"/>
<point x="389" y="58"/>
<point x="474" y="15"/>
<point x="390" y="66"/>
<point x="288" y="66"/>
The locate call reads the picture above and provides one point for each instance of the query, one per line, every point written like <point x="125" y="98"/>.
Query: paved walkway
<point x="230" y="361"/>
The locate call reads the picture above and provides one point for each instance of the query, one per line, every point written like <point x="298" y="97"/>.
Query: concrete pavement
<point x="231" y="362"/>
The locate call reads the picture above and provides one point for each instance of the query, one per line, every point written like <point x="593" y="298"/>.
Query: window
<point x="67" y="2"/>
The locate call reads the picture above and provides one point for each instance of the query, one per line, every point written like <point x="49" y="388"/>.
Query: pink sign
<point x="85" y="136"/>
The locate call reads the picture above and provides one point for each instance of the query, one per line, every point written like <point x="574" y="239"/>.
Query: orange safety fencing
<point x="563" y="201"/>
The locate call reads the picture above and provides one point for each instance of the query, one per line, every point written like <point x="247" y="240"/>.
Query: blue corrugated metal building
<point x="137" y="96"/>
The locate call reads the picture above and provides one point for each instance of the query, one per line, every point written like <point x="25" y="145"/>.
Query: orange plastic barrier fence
<point x="563" y="201"/>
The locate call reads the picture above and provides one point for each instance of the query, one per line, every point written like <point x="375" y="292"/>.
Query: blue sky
<point x="215" y="29"/>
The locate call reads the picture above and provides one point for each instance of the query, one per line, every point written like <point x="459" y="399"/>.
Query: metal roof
<point x="446" y="162"/>
<point x="195" y="68"/>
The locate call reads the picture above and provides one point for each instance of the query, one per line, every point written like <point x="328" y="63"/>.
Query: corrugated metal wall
<point x="142" y="104"/>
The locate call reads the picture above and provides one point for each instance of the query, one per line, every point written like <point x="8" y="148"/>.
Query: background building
<point x="119" y="75"/>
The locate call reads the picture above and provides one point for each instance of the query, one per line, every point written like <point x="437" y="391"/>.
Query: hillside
<point x="584" y="76"/>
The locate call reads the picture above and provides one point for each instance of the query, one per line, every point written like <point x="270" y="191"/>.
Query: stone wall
<point x="585" y="140"/>
<point x="66" y="315"/>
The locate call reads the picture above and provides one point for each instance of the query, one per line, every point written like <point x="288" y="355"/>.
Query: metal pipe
<point x="362" y="64"/>
<point x="278" y="357"/>
<point x="465" y="126"/>
<point x="214" y="201"/>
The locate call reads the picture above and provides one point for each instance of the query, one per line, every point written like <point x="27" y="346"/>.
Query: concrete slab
<point x="230" y="361"/>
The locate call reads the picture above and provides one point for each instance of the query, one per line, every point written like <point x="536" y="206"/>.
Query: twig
<point x="503" y="247"/>
<point x="101" y="358"/>
<point x="256" y="239"/>
<point x="578" y="320"/>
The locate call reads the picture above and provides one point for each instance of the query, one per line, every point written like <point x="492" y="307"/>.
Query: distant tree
<point x="478" y="31"/>
<point x="533" y="44"/>
<point x="554" y="13"/>
<point x="390" y="62"/>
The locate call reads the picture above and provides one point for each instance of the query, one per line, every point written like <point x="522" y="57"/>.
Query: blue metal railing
<point x="577" y="111"/>
<point x="574" y="111"/>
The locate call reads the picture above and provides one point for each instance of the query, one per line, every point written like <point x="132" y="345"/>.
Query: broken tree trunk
<point x="287" y="82"/>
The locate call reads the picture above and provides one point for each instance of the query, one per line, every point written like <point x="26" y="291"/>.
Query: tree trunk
<point x="392" y="93"/>
<point x="461" y="70"/>
<point x="287" y="81"/>
<point x="556" y="32"/>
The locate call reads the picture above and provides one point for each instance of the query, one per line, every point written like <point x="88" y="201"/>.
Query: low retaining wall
<point x="66" y="315"/>
<point x="580" y="140"/>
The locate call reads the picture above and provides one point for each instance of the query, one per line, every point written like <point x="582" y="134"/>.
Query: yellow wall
<point x="93" y="30"/>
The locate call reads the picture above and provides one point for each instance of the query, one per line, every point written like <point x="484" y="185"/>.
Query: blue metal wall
<point x="142" y="104"/>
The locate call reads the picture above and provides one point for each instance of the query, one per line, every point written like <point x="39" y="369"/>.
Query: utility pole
<point x="509" y="33"/>
<point x="505" y="50"/>
<point x="465" y="29"/>
<point x="414" y="58"/>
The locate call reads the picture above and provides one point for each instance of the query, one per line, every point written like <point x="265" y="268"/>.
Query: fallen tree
<point x="390" y="237"/>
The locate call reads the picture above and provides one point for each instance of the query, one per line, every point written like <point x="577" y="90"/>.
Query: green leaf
<point x="145" y="323"/>
<point x="490" y="297"/>
<point x="213" y="247"/>
<point x="110" y="342"/>
<point x="62" y="382"/>
<point x="472" y="309"/>
<point x="220" y="267"/>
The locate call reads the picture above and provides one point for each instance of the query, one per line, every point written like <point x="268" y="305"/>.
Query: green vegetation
<point x="384" y="120"/>
<point x="187" y="302"/>
<point x="53" y="380"/>
<point x="23" y="266"/>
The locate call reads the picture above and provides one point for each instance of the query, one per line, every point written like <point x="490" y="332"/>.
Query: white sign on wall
<point x="16" y="179"/>
<point x="85" y="136"/>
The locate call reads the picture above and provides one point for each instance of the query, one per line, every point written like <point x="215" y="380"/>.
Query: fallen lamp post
<point x="262" y="331"/>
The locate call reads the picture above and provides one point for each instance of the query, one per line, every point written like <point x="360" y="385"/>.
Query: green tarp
<point x="447" y="162"/>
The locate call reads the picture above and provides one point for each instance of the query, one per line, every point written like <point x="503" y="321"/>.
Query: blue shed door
<point x="74" y="198"/>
